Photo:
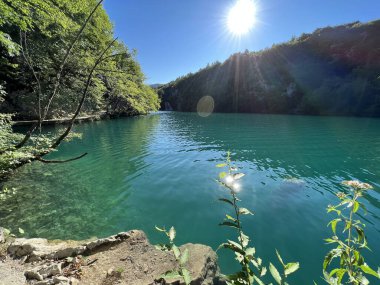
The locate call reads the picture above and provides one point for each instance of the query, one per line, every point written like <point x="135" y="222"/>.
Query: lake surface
<point x="160" y="170"/>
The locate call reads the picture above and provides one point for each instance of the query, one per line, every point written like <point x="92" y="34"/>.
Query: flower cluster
<point x="357" y="184"/>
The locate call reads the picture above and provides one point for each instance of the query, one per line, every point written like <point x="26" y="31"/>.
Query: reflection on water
<point x="160" y="170"/>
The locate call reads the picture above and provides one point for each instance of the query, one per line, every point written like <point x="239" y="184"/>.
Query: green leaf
<point x="171" y="275"/>
<point x="162" y="247"/>
<point x="279" y="258"/>
<point x="231" y="218"/>
<point x="244" y="239"/>
<point x="226" y="200"/>
<point x="276" y="275"/>
<point x="237" y="176"/>
<point x="176" y="251"/>
<point x="339" y="273"/>
<point x="330" y="240"/>
<point x="232" y="247"/>
<point x="250" y="251"/>
<point x="258" y="280"/>
<point x="239" y="257"/>
<point x="235" y="244"/>
<point x="362" y="280"/>
<point x="369" y="270"/>
<point x="21" y="231"/>
<point x="159" y="229"/>
<point x="245" y="211"/>
<point x="172" y="233"/>
<point x="333" y="224"/>
<point x="186" y="276"/>
<point x="291" y="267"/>
<point x="229" y="224"/>
<point x="222" y="175"/>
<point x="220" y="165"/>
<point x="263" y="271"/>
<point x="356" y="207"/>
<point x="184" y="257"/>
<point x="327" y="260"/>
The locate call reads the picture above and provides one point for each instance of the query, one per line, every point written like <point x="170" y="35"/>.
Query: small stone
<point x="61" y="280"/>
<point x="31" y="274"/>
<point x="110" y="272"/>
<point x="52" y="270"/>
<point x="44" y="282"/>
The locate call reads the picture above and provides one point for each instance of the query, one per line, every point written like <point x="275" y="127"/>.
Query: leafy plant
<point x="252" y="269"/>
<point x="352" y="266"/>
<point x="181" y="257"/>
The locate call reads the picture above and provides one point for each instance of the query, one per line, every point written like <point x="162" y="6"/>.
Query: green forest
<point x="60" y="59"/>
<point x="332" y="71"/>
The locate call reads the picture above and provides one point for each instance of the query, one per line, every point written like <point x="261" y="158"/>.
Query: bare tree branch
<point x="57" y="83"/>
<point x="61" y="161"/>
<point x="89" y="79"/>
<point x="29" y="62"/>
<point x="64" y="61"/>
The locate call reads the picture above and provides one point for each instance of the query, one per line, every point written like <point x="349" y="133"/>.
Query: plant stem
<point x="350" y="235"/>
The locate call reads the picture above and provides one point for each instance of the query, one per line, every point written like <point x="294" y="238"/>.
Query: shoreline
<point x="58" y="121"/>
<point x="126" y="258"/>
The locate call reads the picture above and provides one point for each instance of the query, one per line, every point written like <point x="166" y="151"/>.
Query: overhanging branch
<point x="61" y="161"/>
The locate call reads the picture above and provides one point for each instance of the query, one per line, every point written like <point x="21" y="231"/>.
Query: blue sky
<point x="175" y="37"/>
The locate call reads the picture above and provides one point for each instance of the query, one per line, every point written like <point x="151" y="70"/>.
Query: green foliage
<point x="181" y="257"/>
<point x="352" y="268"/>
<point x="252" y="269"/>
<point x="48" y="51"/>
<point x="36" y="35"/>
<point x="332" y="71"/>
<point x="10" y="157"/>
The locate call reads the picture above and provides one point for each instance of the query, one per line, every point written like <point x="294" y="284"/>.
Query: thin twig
<point x="68" y="52"/>
<point x="89" y="79"/>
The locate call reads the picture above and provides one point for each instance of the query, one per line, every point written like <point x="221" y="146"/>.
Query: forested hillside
<point x="333" y="71"/>
<point x="34" y="38"/>
<point x="60" y="59"/>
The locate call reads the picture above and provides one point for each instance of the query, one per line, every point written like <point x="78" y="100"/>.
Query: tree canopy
<point x="59" y="58"/>
<point x="35" y="34"/>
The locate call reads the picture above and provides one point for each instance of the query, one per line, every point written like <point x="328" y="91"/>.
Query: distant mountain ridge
<point x="332" y="71"/>
<point x="155" y="86"/>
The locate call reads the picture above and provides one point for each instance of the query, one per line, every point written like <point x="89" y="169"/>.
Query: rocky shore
<point x="126" y="258"/>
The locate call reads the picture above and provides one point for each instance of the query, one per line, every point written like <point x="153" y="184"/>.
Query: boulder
<point x="37" y="249"/>
<point x="45" y="271"/>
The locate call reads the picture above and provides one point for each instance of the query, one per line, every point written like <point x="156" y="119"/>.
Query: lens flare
<point x="205" y="106"/>
<point x="241" y="17"/>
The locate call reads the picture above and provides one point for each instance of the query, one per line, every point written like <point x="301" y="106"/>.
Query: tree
<point x="65" y="61"/>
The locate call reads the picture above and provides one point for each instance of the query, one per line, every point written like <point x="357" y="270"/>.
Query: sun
<point x="241" y="17"/>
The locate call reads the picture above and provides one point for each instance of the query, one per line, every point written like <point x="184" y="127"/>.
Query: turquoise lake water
<point x="160" y="170"/>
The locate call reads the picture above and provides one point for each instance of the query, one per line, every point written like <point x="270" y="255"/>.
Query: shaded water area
<point x="160" y="170"/>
